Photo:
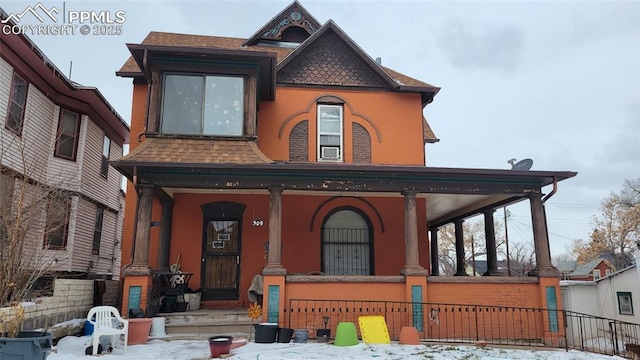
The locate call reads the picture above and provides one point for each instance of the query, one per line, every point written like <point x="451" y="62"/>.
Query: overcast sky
<point x="554" y="81"/>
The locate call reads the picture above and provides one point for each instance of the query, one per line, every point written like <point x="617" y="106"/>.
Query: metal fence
<point x="460" y="323"/>
<point x="601" y="335"/>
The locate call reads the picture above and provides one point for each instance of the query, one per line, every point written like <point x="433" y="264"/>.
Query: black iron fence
<point x="503" y="325"/>
<point x="601" y="335"/>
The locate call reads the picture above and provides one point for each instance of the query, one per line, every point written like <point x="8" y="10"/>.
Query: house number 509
<point x="258" y="223"/>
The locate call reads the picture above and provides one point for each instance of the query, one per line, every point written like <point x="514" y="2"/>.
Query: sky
<point x="554" y="81"/>
<point x="71" y="347"/>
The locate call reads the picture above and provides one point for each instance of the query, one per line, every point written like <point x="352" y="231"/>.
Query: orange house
<point x="294" y="155"/>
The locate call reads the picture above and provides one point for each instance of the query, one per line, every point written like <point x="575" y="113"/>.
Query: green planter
<point x="29" y="345"/>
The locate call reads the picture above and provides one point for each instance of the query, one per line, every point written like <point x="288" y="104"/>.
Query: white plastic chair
<point x="108" y="322"/>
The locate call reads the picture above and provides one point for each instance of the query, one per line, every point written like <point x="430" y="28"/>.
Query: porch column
<point x="460" y="265"/>
<point x="274" y="264"/>
<point x="165" y="235"/>
<point x="435" y="264"/>
<point x="543" y="268"/>
<point x="140" y="264"/>
<point x="412" y="260"/>
<point x="490" y="236"/>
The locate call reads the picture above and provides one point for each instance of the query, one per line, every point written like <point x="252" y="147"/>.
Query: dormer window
<point x="210" y="105"/>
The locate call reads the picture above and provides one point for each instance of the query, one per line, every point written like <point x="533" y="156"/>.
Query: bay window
<point x="203" y="105"/>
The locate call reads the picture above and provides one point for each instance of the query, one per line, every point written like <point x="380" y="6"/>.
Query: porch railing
<point x="460" y="323"/>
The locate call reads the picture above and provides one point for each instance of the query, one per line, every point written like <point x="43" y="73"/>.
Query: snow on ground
<point x="71" y="347"/>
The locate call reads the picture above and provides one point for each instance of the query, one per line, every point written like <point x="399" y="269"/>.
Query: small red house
<point x="293" y="154"/>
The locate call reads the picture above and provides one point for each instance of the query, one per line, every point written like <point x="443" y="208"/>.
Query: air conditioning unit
<point x="330" y="153"/>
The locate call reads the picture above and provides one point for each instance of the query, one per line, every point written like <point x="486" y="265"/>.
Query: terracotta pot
<point x="409" y="336"/>
<point x="139" y="329"/>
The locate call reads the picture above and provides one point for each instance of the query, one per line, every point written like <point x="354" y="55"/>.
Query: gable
<point x="293" y="17"/>
<point x="329" y="61"/>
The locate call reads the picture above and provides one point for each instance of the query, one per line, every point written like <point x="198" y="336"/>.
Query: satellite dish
<point x="522" y="165"/>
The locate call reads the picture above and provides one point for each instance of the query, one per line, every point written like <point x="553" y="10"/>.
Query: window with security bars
<point x="346" y="244"/>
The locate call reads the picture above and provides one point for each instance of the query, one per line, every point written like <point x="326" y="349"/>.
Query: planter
<point x="323" y="335"/>
<point x="266" y="333"/>
<point x="300" y="335"/>
<point x="219" y="345"/>
<point x="181" y="306"/>
<point x="168" y="304"/>
<point x="284" y="335"/>
<point x="409" y="336"/>
<point x="193" y="299"/>
<point x="139" y="329"/>
<point x="29" y="345"/>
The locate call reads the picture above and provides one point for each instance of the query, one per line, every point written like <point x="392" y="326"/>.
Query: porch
<point x="205" y="209"/>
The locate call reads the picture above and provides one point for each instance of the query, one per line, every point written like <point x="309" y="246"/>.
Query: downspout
<point x="135" y="228"/>
<point x="544" y="211"/>
<point x="553" y="191"/>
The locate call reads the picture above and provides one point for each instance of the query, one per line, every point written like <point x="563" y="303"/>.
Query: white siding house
<point x="56" y="133"/>
<point x="616" y="296"/>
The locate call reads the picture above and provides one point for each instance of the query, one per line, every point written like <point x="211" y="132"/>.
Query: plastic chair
<point x="108" y="322"/>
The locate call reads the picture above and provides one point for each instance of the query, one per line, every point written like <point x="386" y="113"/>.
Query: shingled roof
<point x="176" y="150"/>
<point x="131" y="69"/>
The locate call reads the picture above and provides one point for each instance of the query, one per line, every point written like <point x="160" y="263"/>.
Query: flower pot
<point x="346" y="334"/>
<point x="29" y="345"/>
<point x="323" y="335"/>
<point x="284" y="335"/>
<point x="181" y="306"/>
<point x="266" y="333"/>
<point x="409" y="336"/>
<point x="168" y="304"/>
<point x="139" y="329"/>
<point x="300" y="335"/>
<point x="219" y="345"/>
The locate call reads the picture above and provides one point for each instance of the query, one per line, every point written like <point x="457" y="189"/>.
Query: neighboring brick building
<point x="302" y="156"/>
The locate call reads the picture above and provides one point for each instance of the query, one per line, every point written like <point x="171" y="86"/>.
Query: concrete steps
<point x="201" y="324"/>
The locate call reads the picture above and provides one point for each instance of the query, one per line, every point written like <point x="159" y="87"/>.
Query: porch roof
<point x="451" y="193"/>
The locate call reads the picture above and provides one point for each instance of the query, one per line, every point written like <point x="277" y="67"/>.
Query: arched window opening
<point x="347" y="246"/>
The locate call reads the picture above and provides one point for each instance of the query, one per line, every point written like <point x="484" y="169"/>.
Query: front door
<point x="221" y="259"/>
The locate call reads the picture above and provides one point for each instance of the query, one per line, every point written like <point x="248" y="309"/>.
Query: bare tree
<point x="474" y="244"/>
<point x="522" y="258"/>
<point x="33" y="212"/>
<point x="616" y="228"/>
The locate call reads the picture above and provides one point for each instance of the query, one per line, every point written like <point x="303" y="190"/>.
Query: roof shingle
<point x="175" y="150"/>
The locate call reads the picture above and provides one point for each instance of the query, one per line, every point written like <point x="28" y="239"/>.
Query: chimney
<point x="379" y="60"/>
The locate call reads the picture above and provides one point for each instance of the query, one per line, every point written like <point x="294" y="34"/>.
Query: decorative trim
<point x="334" y="97"/>
<point x="552" y="308"/>
<point x="315" y="213"/>
<point x="273" y="309"/>
<point x="417" y="307"/>
<point x="295" y="18"/>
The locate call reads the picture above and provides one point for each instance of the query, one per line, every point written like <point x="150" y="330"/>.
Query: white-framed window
<point x="330" y="133"/>
<point x="625" y="304"/>
<point x="607" y="272"/>
<point x="203" y="105"/>
<point x="596" y="274"/>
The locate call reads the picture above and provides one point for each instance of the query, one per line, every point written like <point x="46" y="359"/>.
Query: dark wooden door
<point x="221" y="259"/>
